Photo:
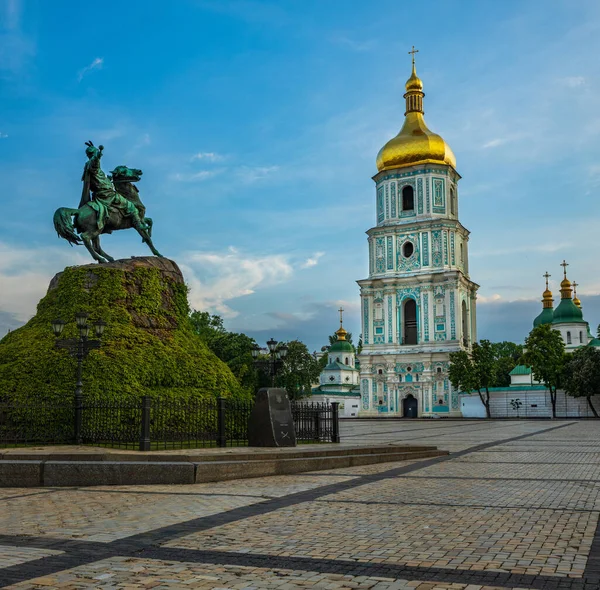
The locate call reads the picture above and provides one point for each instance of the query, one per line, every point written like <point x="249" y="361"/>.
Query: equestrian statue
<point x="108" y="203"/>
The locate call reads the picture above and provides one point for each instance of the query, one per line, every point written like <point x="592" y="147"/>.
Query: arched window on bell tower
<point x="408" y="198"/>
<point x="410" y="322"/>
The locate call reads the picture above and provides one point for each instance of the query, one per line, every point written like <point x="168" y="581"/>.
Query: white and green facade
<point x="418" y="302"/>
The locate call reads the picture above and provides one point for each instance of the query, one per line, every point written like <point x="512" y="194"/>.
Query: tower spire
<point x="575" y="298"/>
<point x="565" y="285"/>
<point x="341" y="333"/>
<point x="414" y="89"/>
<point x="547" y="300"/>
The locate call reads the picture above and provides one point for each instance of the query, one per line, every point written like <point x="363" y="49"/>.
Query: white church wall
<point x="531" y="403"/>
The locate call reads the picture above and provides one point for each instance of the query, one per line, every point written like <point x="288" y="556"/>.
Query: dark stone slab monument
<point x="271" y="423"/>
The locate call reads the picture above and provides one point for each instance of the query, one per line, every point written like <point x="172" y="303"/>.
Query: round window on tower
<point x="408" y="249"/>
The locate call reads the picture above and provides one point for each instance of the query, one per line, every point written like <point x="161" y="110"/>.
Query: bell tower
<point x="418" y="303"/>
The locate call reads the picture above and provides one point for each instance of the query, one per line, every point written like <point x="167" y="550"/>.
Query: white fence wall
<point x="533" y="404"/>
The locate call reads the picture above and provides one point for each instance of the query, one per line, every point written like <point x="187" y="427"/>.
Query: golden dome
<point x="415" y="143"/>
<point x="341" y="334"/>
<point x="577" y="302"/>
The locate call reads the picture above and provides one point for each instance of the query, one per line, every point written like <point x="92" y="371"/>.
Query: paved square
<point x="516" y="505"/>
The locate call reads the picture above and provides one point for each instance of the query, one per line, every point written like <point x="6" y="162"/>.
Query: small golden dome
<point x="565" y="283"/>
<point x="414" y="82"/>
<point x="547" y="294"/>
<point x="341" y="334"/>
<point x="415" y="143"/>
<point x="577" y="302"/>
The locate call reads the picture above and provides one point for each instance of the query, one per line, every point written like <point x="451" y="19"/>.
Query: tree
<point x="474" y="371"/>
<point x="506" y="358"/>
<point x="545" y="354"/>
<point x="300" y="370"/>
<point x="233" y="348"/>
<point x="581" y="377"/>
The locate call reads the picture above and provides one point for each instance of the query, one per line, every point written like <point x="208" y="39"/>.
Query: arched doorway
<point x="410" y="406"/>
<point x="410" y="322"/>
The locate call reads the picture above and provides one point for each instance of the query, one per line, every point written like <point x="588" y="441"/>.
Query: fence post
<point x="317" y="414"/>
<point x="221" y="409"/>
<point x="335" y="422"/>
<point x="78" y="416"/>
<point x="145" y="433"/>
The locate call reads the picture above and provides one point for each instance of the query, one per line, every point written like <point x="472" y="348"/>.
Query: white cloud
<point x="572" y="81"/>
<point x="490" y="299"/>
<point x="3" y="135"/>
<point x="26" y="272"/>
<point x="95" y="65"/>
<point x="208" y="157"/>
<point x="249" y="174"/>
<point x="313" y="260"/>
<point x="197" y="176"/>
<point x="494" y="143"/>
<point x="229" y="275"/>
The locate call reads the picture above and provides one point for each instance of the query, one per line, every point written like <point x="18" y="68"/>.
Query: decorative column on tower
<point x="418" y="303"/>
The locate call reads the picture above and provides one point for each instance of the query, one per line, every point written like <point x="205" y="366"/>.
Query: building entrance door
<point x="410" y="406"/>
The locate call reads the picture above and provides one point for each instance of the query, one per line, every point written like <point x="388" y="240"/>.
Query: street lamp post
<point x="78" y="348"/>
<point x="273" y="364"/>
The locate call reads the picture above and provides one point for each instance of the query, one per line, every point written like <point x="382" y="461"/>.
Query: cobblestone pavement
<point x="515" y="506"/>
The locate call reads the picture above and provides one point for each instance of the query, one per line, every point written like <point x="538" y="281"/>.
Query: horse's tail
<point x="63" y="224"/>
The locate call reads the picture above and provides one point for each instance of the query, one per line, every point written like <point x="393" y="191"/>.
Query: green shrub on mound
<point x="148" y="347"/>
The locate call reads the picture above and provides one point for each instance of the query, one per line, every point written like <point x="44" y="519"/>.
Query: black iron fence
<point x="152" y="424"/>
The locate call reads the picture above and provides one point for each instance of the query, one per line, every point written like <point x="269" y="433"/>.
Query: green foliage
<point x="581" y="375"/>
<point x="474" y="371"/>
<point x="506" y="357"/>
<point x="300" y="370"/>
<point x="545" y="354"/>
<point x="232" y="348"/>
<point x="323" y="362"/>
<point x="148" y="345"/>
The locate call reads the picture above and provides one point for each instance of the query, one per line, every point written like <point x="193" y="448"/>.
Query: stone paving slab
<point x="515" y="471"/>
<point x="121" y="572"/>
<point x="463" y="522"/>
<point x="556" y="495"/>
<point x="104" y="516"/>
<point x="521" y="541"/>
<point x="533" y="457"/>
<point x="16" y="555"/>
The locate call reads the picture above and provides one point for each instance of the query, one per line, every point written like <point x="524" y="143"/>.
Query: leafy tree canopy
<point x="232" y="348"/>
<point x="581" y="376"/>
<point x="300" y="370"/>
<point x="506" y="356"/>
<point x="544" y="353"/>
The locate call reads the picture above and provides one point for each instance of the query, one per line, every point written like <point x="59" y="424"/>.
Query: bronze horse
<point x="85" y="219"/>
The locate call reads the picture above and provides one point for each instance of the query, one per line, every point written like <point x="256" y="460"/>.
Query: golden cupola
<point x="415" y="143"/>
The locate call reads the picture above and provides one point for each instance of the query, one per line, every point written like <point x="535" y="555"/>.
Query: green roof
<point x="337" y="365"/>
<point x="341" y="346"/>
<point x="545" y="317"/>
<point x="594" y="342"/>
<point x="521" y="370"/>
<point x="567" y="312"/>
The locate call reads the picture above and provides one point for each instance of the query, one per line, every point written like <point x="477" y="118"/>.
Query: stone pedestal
<point x="271" y="423"/>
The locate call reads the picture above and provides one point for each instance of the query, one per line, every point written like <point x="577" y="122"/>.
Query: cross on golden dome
<point x="341" y="333"/>
<point x="413" y="54"/>
<point x="547" y="275"/>
<point x="564" y="265"/>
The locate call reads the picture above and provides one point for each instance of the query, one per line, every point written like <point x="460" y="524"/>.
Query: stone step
<point x="37" y="473"/>
<point x="195" y="455"/>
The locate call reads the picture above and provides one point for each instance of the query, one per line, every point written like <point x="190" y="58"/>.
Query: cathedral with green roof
<point x="567" y="317"/>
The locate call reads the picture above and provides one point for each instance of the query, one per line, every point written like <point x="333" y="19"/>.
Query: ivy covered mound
<point x="148" y="346"/>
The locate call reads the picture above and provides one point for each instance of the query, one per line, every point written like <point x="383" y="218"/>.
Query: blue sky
<point x="257" y="125"/>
